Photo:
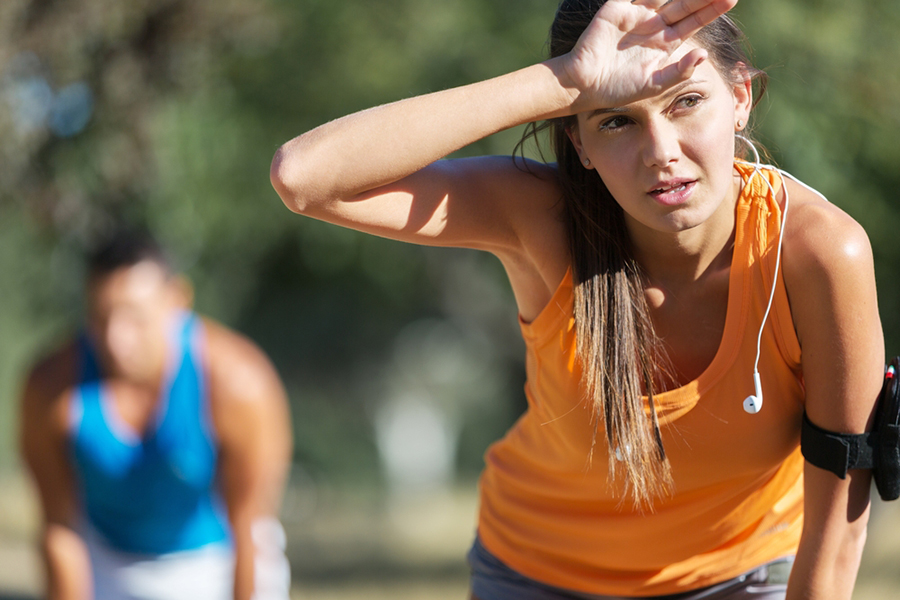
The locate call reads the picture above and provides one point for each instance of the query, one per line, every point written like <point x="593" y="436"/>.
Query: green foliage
<point x="191" y="99"/>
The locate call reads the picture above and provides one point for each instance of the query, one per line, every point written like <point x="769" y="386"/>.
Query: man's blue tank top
<point x="153" y="494"/>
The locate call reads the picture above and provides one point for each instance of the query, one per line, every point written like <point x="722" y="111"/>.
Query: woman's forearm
<point x="380" y="145"/>
<point x="828" y="561"/>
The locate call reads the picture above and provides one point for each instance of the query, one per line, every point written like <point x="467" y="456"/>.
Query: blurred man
<point x="159" y="442"/>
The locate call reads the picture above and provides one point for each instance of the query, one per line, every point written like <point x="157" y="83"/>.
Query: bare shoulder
<point x="241" y="377"/>
<point x="239" y="371"/>
<point x="829" y="275"/>
<point x="530" y="188"/>
<point x="531" y="199"/>
<point x="511" y="207"/>
<point x="822" y="242"/>
<point x="830" y="279"/>
<point x="44" y="432"/>
<point x="45" y="422"/>
<point x="49" y="381"/>
<point x="248" y="403"/>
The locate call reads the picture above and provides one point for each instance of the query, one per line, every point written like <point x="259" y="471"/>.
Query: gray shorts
<point x="493" y="580"/>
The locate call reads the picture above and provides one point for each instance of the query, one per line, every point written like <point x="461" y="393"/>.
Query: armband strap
<point x="878" y="450"/>
<point x="836" y="452"/>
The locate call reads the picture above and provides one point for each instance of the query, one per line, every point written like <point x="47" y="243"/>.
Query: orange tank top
<point x="550" y="514"/>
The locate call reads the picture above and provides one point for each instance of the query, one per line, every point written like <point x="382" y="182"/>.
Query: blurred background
<point x="402" y="363"/>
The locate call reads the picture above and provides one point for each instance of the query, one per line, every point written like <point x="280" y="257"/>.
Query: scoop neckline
<point x="544" y="324"/>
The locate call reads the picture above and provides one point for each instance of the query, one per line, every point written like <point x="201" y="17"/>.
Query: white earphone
<point x="753" y="403"/>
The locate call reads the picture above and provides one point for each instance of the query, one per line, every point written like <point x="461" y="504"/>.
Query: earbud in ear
<point x="753" y="404"/>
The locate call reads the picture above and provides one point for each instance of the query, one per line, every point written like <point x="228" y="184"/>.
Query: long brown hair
<point x="618" y="349"/>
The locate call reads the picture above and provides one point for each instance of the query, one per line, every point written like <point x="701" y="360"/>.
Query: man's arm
<point x="43" y="432"/>
<point x="252" y="421"/>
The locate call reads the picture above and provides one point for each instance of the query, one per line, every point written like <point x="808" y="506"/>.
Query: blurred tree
<point x="85" y="86"/>
<point x="168" y="112"/>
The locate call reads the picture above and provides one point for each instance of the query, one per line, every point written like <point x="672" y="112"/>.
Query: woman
<point x="647" y="269"/>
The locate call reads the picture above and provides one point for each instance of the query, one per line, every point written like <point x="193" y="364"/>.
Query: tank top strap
<point x="84" y="403"/>
<point x="761" y="206"/>
<point x="87" y="364"/>
<point x="85" y="411"/>
<point x="186" y="412"/>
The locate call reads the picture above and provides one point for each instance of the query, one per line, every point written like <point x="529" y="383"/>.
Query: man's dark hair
<point x="126" y="248"/>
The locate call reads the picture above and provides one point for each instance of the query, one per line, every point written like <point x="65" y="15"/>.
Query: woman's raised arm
<point x="358" y="171"/>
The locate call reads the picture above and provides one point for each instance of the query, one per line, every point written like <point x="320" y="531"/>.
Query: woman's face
<point x="668" y="160"/>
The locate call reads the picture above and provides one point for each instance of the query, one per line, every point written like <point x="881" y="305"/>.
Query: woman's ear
<point x="742" y="90"/>
<point x="575" y="137"/>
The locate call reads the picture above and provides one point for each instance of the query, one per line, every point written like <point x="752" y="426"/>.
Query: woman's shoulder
<point x="824" y="247"/>
<point x="523" y="193"/>
<point x="819" y="234"/>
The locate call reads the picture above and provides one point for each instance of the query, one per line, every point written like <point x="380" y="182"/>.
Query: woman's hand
<point x="628" y="52"/>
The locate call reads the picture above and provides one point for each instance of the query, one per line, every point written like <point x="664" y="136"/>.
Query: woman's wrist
<point x="569" y="91"/>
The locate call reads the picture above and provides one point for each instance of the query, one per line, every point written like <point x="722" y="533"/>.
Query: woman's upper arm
<point x="830" y="279"/>
<point x="485" y="203"/>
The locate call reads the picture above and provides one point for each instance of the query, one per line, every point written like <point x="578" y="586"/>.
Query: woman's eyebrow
<point x="667" y="94"/>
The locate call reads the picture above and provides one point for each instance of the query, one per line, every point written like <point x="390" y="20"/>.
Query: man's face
<point x="130" y="317"/>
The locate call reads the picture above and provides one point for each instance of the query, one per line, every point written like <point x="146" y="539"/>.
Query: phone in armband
<point x="878" y="449"/>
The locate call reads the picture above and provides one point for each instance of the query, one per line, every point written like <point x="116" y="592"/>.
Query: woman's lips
<point x="674" y="193"/>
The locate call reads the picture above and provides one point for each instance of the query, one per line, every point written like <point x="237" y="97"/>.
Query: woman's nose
<point x="661" y="144"/>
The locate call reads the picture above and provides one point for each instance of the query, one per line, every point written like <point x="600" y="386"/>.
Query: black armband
<point x="835" y="452"/>
<point x="878" y="449"/>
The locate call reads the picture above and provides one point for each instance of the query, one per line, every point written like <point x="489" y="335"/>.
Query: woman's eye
<point x="614" y="123"/>
<point x="689" y="101"/>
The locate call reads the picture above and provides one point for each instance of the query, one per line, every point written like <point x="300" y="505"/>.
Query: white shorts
<point x="206" y="573"/>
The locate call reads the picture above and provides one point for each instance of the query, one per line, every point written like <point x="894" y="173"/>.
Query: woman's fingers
<point x="679" y="71"/>
<point x="687" y="17"/>
<point x="653" y="4"/>
<point x="626" y="52"/>
<point x="673" y="20"/>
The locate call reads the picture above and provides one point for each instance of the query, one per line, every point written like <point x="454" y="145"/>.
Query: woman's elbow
<point x="286" y="181"/>
<point x="298" y="180"/>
